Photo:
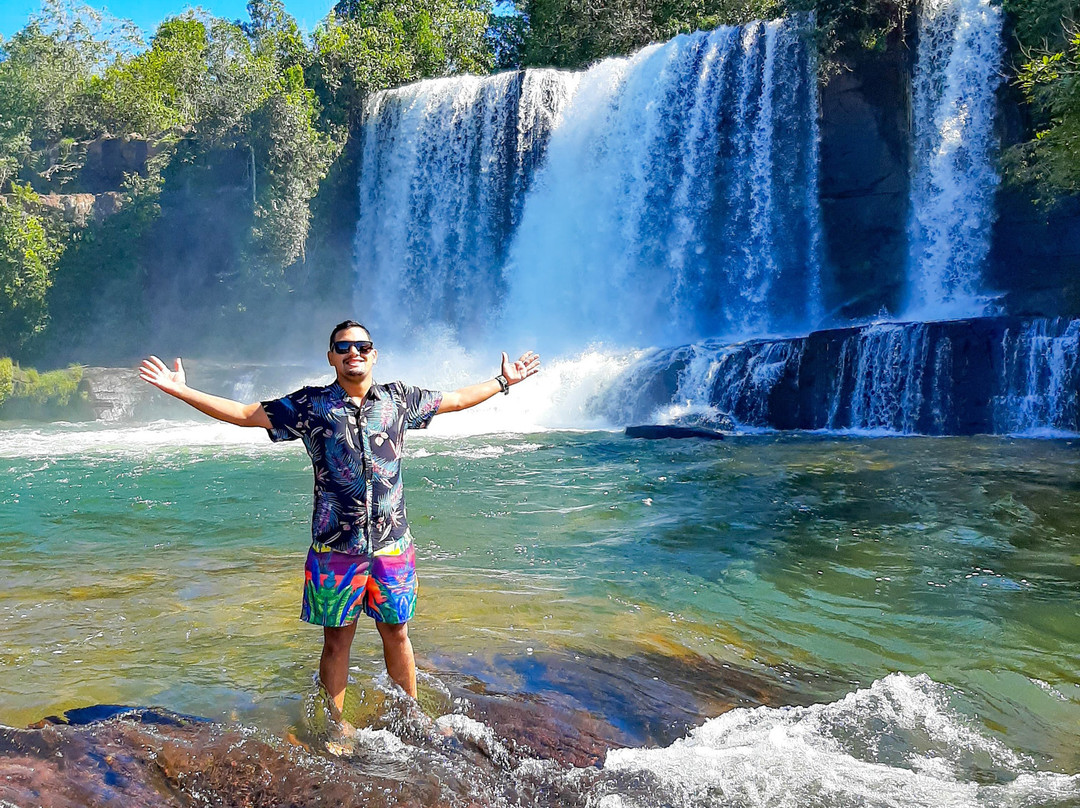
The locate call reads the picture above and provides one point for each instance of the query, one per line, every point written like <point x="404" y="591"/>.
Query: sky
<point x="14" y="14"/>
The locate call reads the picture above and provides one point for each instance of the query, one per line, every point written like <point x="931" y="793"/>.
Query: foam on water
<point x="570" y="392"/>
<point x="61" y="439"/>
<point x="897" y="743"/>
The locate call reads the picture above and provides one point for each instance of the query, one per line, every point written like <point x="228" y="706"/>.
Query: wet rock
<point x="995" y="375"/>
<point x="573" y="709"/>
<point x="660" y="431"/>
<point x="864" y="182"/>
<point x="154" y="758"/>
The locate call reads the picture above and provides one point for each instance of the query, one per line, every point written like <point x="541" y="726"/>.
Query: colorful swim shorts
<point x="339" y="587"/>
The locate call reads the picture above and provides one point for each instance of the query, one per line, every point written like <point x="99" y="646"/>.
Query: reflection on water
<point x="583" y="591"/>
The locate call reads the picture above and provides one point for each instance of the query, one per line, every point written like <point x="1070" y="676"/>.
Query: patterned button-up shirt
<point x="356" y="455"/>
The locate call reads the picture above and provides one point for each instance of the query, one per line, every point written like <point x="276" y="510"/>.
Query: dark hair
<point x="346" y="324"/>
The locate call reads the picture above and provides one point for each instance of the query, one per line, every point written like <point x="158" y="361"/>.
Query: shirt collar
<point x="375" y="392"/>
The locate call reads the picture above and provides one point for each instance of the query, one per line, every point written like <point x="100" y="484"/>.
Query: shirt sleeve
<point x="420" y="407"/>
<point x="288" y="416"/>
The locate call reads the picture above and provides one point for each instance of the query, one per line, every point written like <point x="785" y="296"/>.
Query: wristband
<point x="504" y="385"/>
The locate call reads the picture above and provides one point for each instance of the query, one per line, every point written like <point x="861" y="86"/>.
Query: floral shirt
<point x="356" y="455"/>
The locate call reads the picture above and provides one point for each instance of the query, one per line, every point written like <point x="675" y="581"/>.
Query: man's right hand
<point x="156" y="372"/>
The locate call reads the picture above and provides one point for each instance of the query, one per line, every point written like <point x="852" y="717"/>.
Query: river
<point x="795" y="618"/>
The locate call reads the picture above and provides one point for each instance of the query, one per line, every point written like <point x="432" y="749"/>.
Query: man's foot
<point x="341" y="739"/>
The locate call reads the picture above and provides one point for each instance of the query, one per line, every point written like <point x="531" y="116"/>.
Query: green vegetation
<point x="25" y="393"/>
<point x="211" y="143"/>
<point x="573" y="33"/>
<point x="1048" y="76"/>
<point x="28" y="257"/>
<point x="7" y="376"/>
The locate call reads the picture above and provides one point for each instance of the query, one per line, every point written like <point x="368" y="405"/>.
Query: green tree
<point x="295" y="158"/>
<point x="157" y="89"/>
<point x="364" y="47"/>
<point x="575" y="33"/>
<point x="1050" y="81"/>
<point x="27" y="260"/>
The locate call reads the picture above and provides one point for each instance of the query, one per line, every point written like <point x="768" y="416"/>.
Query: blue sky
<point x="14" y="14"/>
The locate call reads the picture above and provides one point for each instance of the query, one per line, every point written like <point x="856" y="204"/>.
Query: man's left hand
<point x="526" y="366"/>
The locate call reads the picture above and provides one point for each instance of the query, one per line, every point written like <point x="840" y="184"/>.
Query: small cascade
<point x="667" y="196"/>
<point x="954" y="178"/>
<point x="1040" y="378"/>
<point x="982" y="375"/>
<point x="896" y="383"/>
<point x="113" y="393"/>
<point x="747" y="377"/>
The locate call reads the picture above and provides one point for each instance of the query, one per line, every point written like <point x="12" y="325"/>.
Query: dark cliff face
<point x="1035" y="255"/>
<point x="864" y="183"/>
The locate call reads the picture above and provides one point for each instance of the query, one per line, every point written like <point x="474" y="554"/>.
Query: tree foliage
<point x="369" y="45"/>
<point x="1050" y="80"/>
<point x="574" y="33"/>
<point x="27" y="260"/>
<point x="157" y="89"/>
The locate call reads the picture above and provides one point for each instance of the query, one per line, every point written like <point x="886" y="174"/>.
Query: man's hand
<point x="518" y="371"/>
<point x="173" y="382"/>
<point x="157" y="373"/>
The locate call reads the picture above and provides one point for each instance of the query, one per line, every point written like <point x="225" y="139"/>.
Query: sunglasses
<point x="344" y="346"/>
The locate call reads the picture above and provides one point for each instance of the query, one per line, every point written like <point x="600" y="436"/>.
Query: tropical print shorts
<point x="338" y="587"/>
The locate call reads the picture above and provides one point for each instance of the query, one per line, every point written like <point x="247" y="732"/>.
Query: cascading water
<point x="446" y="164"/>
<point x="650" y="200"/>
<point x="672" y="197"/>
<point x="1040" y="376"/>
<point x="954" y="179"/>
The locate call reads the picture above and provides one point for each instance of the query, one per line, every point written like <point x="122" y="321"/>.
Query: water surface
<point x="651" y="585"/>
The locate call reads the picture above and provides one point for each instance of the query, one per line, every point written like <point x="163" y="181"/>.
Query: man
<point x="361" y="558"/>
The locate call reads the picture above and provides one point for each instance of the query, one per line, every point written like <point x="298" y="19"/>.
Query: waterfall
<point x="1040" y="377"/>
<point x="896" y="371"/>
<point x="671" y="199"/>
<point x="954" y="179"/>
<point x="445" y="167"/>
<point x="667" y="196"/>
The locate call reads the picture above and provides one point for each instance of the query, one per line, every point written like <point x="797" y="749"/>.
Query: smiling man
<point x="361" y="559"/>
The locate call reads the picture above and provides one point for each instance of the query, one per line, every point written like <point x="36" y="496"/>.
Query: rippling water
<point x="766" y="620"/>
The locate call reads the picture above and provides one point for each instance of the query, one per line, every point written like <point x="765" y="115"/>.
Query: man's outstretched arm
<point x="174" y="382"/>
<point x="470" y="396"/>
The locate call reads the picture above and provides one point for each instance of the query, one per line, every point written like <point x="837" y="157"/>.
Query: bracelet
<point x="504" y="385"/>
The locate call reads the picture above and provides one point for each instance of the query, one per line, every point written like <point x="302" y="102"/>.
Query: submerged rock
<point x="543" y="746"/>
<point x="659" y="431"/>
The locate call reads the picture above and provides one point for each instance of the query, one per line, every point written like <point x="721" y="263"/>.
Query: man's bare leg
<point x="398" y="653"/>
<point x="334" y="664"/>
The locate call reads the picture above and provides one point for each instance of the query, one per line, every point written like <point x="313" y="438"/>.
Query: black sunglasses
<point x="343" y="346"/>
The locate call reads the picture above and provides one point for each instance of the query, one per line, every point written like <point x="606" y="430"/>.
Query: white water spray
<point x="953" y="179"/>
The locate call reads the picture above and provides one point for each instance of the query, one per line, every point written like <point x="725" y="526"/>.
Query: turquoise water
<point x="162" y="565"/>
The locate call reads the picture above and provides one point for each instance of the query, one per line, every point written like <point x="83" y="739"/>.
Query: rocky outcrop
<point x="864" y="183"/>
<point x="1035" y="255"/>
<point x="79" y="209"/>
<point x="960" y="377"/>
<point x="110" y="159"/>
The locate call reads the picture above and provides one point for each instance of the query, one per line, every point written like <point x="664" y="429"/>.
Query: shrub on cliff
<point x="1049" y="78"/>
<point x="6" y="374"/>
<point x="25" y="393"/>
